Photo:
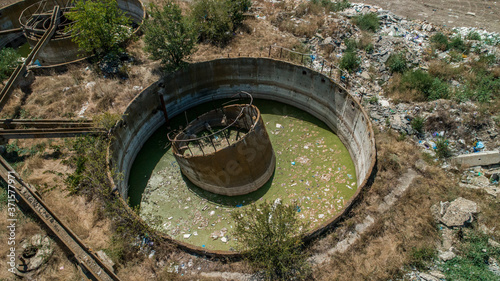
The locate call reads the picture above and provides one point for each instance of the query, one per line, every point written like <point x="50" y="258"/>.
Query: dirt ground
<point x="485" y="13"/>
<point x="452" y="13"/>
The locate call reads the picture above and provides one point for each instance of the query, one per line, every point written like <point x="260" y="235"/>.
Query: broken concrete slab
<point x="446" y="256"/>
<point x="459" y="212"/>
<point x="427" y="277"/>
<point x="106" y="260"/>
<point x="484" y="158"/>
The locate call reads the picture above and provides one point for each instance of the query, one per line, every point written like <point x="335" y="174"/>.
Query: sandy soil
<point x="452" y="13"/>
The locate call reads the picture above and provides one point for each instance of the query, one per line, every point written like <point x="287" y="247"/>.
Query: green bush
<point x="9" y="59"/>
<point x="336" y="6"/>
<point x="440" y="41"/>
<point x="99" y="27"/>
<point x="169" y="36"/>
<point x="89" y="161"/>
<point x="442" y="149"/>
<point x="420" y="257"/>
<point x="439" y="90"/>
<point x="270" y="236"/>
<point x="418" y="80"/>
<point x="482" y="87"/>
<point x="417" y="124"/>
<point x="426" y="86"/>
<point x="473" y="36"/>
<point x="350" y="44"/>
<point x="455" y="56"/>
<point x="216" y="20"/>
<point x="397" y="63"/>
<point x="350" y="61"/>
<point x="368" y="22"/>
<point x="459" y="45"/>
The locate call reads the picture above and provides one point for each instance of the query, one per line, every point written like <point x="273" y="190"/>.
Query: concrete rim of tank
<point x="135" y="32"/>
<point x="311" y="234"/>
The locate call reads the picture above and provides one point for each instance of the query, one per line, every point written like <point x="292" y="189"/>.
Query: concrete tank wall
<point x="9" y="19"/>
<point x="263" y="78"/>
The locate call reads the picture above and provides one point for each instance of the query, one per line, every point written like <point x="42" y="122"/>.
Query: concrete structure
<point x="61" y="48"/>
<point x="264" y="79"/>
<point x="233" y="166"/>
<point x="484" y="158"/>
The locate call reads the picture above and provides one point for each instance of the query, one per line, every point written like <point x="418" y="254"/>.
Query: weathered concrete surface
<point x="484" y="158"/>
<point x="264" y="79"/>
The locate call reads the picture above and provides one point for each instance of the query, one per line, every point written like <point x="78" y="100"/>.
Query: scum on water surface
<point x="313" y="168"/>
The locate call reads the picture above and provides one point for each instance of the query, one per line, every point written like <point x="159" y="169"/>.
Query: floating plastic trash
<point x="293" y="163"/>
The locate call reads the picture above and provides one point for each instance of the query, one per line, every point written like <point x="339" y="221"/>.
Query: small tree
<point x="99" y="26"/>
<point x="271" y="237"/>
<point x="216" y="20"/>
<point x="169" y="36"/>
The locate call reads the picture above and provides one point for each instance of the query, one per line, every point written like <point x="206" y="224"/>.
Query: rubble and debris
<point x="458" y="212"/>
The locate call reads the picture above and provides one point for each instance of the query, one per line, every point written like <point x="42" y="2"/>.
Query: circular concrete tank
<point x="34" y="18"/>
<point x="266" y="79"/>
<point x="235" y="160"/>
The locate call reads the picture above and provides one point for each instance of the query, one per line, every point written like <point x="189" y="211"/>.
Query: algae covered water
<point x="313" y="168"/>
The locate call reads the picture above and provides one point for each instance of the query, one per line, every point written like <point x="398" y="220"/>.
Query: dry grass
<point x="445" y="71"/>
<point x="303" y="29"/>
<point x="256" y="44"/>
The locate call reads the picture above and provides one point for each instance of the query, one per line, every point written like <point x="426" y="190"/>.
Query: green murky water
<point x="312" y="167"/>
<point x="24" y="50"/>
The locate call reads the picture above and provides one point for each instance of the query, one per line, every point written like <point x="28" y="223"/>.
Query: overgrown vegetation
<point x="423" y="86"/>
<point x="350" y="61"/>
<point x="9" y="59"/>
<point x="169" y="36"/>
<point x="368" y="22"/>
<point x="443" y="43"/>
<point x="90" y="179"/>
<point x="99" y="27"/>
<point x="89" y="161"/>
<point x="473" y="35"/>
<point x="440" y="41"/>
<point x="472" y="263"/>
<point x="333" y="6"/>
<point x="442" y="148"/>
<point x="106" y="120"/>
<point x="421" y="257"/>
<point x="216" y="20"/>
<point x="418" y="124"/>
<point x="270" y="235"/>
<point x="397" y="62"/>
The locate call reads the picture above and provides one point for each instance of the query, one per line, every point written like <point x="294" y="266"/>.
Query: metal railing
<point x="181" y="140"/>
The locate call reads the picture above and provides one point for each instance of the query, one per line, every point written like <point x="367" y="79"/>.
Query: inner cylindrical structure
<point x="226" y="151"/>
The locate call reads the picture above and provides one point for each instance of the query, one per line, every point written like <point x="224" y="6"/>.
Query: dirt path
<point x="452" y="13"/>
